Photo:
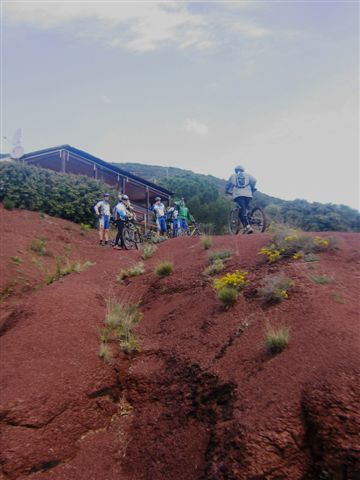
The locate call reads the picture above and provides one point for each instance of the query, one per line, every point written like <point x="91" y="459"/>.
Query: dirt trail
<point x="203" y="400"/>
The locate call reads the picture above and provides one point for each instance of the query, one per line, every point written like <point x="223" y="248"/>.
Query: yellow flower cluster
<point x="297" y="255"/>
<point x="272" y="253"/>
<point x="290" y="238"/>
<point x="284" y="293"/>
<point x="235" y="280"/>
<point x="321" y="242"/>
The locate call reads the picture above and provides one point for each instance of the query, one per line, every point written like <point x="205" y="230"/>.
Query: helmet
<point x="239" y="168"/>
<point x="106" y="194"/>
<point x="157" y="199"/>
<point x="124" y="197"/>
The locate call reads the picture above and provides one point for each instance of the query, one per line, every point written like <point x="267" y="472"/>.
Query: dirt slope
<point x="202" y="400"/>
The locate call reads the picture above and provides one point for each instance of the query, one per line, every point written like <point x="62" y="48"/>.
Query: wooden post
<point x="63" y="160"/>
<point x="146" y="219"/>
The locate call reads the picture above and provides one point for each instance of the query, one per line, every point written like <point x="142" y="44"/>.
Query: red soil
<point x="203" y="400"/>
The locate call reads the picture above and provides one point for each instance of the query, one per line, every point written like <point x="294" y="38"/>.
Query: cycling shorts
<point x="183" y="224"/>
<point x="161" y="224"/>
<point x="104" y="222"/>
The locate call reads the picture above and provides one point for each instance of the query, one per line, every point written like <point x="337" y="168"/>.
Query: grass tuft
<point x="221" y="255"/>
<point x="105" y="352"/>
<point x="85" y="228"/>
<point x="163" y="269"/>
<point x="276" y="338"/>
<point x="206" y="242"/>
<point x="133" y="271"/>
<point x="227" y="296"/>
<point x="64" y="267"/>
<point x="17" y="260"/>
<point x="39" y="246"/>
<point x="148" y="251"/>
<point x="321" y="279"/>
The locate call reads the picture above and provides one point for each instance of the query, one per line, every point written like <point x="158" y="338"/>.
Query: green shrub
<point x="85" y="228"/>
<point x="321" y="279"/>
<point x="227" y="295"/>
<point x="221" y="255"/>
<point x="275" y="289"/>
<point x="276" y="338"/>
<point x="133" y="271"/>
<point x="206" y="242"/>
<point x="163" y="269"/>
<point x="216" y="267"/>
<point x="58" y="194"/>
<point x="8" y="204"/>
<point x="148" y="251"/>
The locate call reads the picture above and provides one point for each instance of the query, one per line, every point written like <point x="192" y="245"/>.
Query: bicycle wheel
<point x="234" y="221"/>
<point x="128" y="238"/>
<point x="138" y="240"/>
<point x="257" y="220"/>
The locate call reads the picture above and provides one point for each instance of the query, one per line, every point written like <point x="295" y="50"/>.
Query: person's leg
<point x="101" y="230"/>
<point x="163" y="226"/>
<point x="106" y="228"/>
<point x="118" y="235"/>
<point x="243" y="204"/>
<point x="185" y="227"/>
<point x="158" y="228"/>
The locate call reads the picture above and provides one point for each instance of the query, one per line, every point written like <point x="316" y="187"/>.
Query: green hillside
<point x="208" y="203"/>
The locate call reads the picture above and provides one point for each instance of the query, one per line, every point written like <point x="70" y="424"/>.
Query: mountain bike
<point x="194" y="230"/>
<point x="131" y="236"/>
<point x="256" y="216"/>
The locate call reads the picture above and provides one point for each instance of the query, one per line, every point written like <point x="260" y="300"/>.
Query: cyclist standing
<point x="121" y="216"/>
<point x="184" y="217"/>
<point x="102" y="210"/>
<point x="241" y="186"/>
<point x="159" y="210"/>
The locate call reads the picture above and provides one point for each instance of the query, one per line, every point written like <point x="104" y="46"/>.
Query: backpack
<point x="241" y="180"/>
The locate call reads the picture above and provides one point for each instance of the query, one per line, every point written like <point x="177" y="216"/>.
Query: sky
<point x="205" y="86"/>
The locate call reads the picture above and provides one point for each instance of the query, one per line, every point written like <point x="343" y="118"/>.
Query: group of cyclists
<point x="172" y="221"/>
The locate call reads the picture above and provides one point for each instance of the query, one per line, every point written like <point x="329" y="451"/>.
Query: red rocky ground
<point x="203" y="400"/>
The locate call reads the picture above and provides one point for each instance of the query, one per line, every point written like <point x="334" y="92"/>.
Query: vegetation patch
<point x="148" y="251"/>
<point x="105" y="352"/>
<point x="133" y="271"/>
<point x="227" y="295"/>
<point x="275" y="289"/>
<point x="120" y="320"/>
<point x="206" y="242"/>
<point x="321" y="279"/>
<point x="276" y="338"/>
<point x="85" y="228"/>
<point x="236" y="280"/>
<point x="157" y="239"/>
<point x="8" y="204"/>
<point x="164" y="269"/>
<point x="220" y="255"/>
<point x="216" y="267"/>
<point x="290" y="243"/>
<point x="17" y="260"/>
<point x="39" y="246"/>
<point x="64" y="266"/>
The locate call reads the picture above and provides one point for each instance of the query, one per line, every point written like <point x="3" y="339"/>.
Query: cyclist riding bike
<point x="241" y="186"/>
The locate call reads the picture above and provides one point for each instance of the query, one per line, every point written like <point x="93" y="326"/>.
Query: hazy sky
<point x="198" y="85"/>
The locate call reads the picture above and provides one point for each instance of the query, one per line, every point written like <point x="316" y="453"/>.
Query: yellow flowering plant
<point x="235" y="280"/>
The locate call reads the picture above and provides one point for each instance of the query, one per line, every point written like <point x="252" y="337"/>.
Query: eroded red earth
<point x="203" y="400"/>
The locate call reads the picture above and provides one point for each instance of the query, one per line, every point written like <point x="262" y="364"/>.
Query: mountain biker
<point x="102" y="210"/>
<point x="121" y="214"/>
<point x="159" y="210"/>
<point x="241" y="186"/>
<point x="184" y="216"/>
<point x="173" y="221"/>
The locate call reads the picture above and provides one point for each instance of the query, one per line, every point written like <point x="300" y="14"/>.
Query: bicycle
<point x="257" y="220"/>
<point x="131" y="236"/>
<point x="194" y="230"/>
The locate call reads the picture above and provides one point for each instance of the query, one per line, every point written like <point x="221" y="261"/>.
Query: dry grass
<point x="221" y="255"/>
<point x="216" y="267"/>
<point x="275" y="289"/>
<point x="64" y="267"/>
<point x="148" y="251"/>
<point x="133" y="271"/>
<point x="276" y="338"/>
<point x="163" y="269"/>
<point x="206" y="242"/>
<point x="39" y="246"/>
<point x="321" y="279"/>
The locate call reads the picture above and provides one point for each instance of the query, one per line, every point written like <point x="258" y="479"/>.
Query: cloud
<point x="193" y="126"/>
<point x="105" y="99"/>
<point x="250" y="30"/>
<point x="134" y="26"/>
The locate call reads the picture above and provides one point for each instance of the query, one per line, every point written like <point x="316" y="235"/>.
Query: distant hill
<point x="206" y="199"/>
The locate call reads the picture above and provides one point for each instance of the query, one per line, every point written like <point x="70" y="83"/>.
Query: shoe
<point x="248" y="230"/>
<point x="101" y="242"/>
<point x="106" y="242"/>
<point x="116" y="247"/>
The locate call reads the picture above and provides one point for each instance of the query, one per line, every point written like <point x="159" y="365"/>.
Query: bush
<point x="235" y="280"/>
<point x="64" y="195"/>
<point x="222" y="255"/>
<point x="148" y="251"/>
<point x="8" y="204"/>
<point x="227" y="295"/>
<point x="216" y="267"/>
<point x="275" y="289"/>
<point x="206" y="242"/>
<point x="119" y="323"/>
<point x="164" y="269"/>
<point x="85" y="228"/>
<point x="133" y="271"/>
<point x="276" y="338"/>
